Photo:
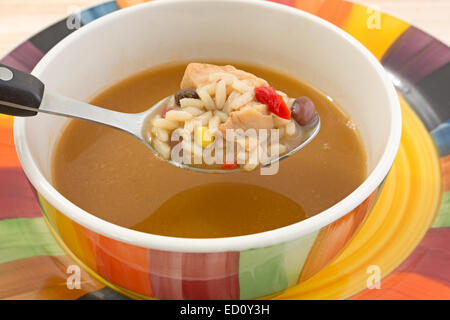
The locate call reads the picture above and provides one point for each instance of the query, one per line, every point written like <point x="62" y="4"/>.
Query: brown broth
<point x="115" y="177"/>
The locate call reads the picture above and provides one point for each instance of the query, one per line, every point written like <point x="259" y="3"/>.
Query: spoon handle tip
<point x="20" y="93"/>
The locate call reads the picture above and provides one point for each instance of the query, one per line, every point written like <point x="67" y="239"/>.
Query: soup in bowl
<point x="159" y="231"/>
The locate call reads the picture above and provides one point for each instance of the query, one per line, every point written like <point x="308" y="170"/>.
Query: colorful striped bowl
<point x="130" y="40"/>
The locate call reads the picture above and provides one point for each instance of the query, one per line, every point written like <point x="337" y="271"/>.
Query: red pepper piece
<point x="165" y="110"/>
<point x="274" y="101"/>
<point x="229" y="166"/>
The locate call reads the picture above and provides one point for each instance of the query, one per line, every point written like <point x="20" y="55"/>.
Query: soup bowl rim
<point x="238" y="243"/>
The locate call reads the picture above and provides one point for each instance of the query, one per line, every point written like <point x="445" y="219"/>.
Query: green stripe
<point x="262" y="272"/>
<point x="443" y="216"/>
<point x="295" y="256"/>
<point x="272" y="269"/>
<point x="24" y="238"/>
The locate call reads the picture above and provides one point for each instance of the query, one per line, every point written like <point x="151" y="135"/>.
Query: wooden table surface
<point x="19" y="19"/>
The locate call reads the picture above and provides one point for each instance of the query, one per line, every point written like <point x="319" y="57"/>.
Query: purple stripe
<point x="415" y="55"/>
<point x="17" y="196"/>
<point x="24" y="57"/>
<point x="432" y="257"/>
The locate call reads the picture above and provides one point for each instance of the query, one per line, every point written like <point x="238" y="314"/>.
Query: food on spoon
<point x="303" y="110"/>
<point x="198" y="75"/>
<point x="239" y="115"/>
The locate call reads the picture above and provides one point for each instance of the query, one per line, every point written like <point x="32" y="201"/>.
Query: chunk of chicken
<point x="247" y="118"/>
<point x="198" y="75"/>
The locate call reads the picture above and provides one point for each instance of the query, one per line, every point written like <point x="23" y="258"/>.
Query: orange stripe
<point x="332" y="239"/>
<point x="129" y="3"/>
<point x="407" y="286"/>
<point x="445" y="165"/>
<point x="124" y="265"/>
<point x="41" y="278"/>
<point x="311" y="6"/>
<point x="8" y="156"/>
<point x="335" y="11"/>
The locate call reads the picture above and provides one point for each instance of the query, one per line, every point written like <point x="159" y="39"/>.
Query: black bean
<point x="185" y="94"/>
<point x="303" y="110"/>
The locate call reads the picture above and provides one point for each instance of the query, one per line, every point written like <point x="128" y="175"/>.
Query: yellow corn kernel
<point x="203" y="137"/>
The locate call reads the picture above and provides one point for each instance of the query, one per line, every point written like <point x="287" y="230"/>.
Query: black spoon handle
<point x="19" y="89"/>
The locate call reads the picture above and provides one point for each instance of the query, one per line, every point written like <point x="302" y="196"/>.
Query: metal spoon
<point x="23" y="95"/>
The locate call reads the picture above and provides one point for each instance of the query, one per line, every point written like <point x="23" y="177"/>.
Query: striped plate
<point x="407" y="236"/>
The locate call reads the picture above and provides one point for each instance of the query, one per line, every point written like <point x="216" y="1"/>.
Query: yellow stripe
<point x="65" y="227"/>
<point x="374" y="29"/>
<point x="6" y="121"/>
